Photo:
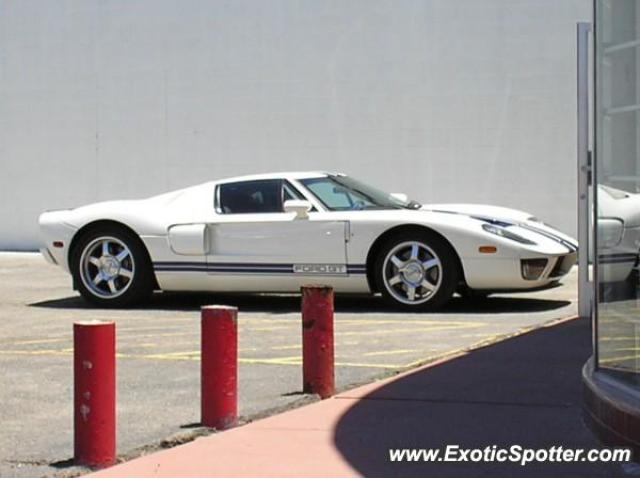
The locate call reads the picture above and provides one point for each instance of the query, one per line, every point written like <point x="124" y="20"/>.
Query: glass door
<point x="616" y="189"/>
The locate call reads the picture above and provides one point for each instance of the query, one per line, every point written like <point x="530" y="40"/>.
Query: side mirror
<point x="299" y="206"/>
<point x="400" y="196"/>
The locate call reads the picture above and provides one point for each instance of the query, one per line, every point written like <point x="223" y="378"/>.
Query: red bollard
<point x="94" y="368"/>
<point x="317" y="340"/>
<point x="219" y="367"/>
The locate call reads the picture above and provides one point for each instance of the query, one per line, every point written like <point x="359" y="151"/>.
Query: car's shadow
<point x="282" y="304"/>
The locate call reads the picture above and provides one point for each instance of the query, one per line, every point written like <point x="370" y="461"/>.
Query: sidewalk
<point x="523" y="391"/>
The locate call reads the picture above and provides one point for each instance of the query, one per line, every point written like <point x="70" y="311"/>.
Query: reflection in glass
<point x="618" y="167"/>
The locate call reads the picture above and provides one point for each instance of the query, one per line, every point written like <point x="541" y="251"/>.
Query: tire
<point x="400" y="267"/>
<point x="111" y="267"/>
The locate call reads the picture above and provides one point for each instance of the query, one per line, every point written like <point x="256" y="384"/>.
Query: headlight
<point x="502" y="232"/>
<point x="609" y="232"/>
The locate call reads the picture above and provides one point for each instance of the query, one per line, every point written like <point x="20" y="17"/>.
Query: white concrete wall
<point x="446" y="100"/>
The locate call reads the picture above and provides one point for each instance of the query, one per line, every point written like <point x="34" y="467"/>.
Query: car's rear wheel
<point x="417" y="271"/>
<point x="111" y="267"/>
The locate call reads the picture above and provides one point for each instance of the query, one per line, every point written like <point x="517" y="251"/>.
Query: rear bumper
<point x="53" y="229"/>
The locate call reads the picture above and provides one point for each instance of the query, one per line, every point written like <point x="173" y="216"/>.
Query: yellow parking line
<point x="295" y="360"/>
<point x="36" y="352"/>
<point x="402" y="331"/>
<point x="173" y="354"/>
<point x="158" y="356"/>
<point x="298" y="361"/>
<point x="369" y="365"/>
<point x="169" y="334"/>
<point x="296" y="320"/>
<point x="248" y="320"/>
<point x="175" y="345"/>
<point x="267" y="329"/>
<point x="195" y="356"/>
<point x="41" y="341"/>
<point x="390" y="352"/>
<point x="147" y="329"/>
<point x="411" y="322"/>
<point x="286" y="347"/>
<point x="340" y="321"/>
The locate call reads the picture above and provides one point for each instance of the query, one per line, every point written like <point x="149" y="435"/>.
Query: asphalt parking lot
<point x="158" y="355"/>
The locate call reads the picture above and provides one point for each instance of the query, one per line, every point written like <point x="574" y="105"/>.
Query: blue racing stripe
<point x="617" y="258"/>
<point x="242" y="268"/>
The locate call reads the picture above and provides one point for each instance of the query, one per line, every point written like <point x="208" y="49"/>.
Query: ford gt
<point x="278" y="232"/>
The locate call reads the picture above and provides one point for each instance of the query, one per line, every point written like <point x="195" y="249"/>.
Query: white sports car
<point x="277" y="232"/>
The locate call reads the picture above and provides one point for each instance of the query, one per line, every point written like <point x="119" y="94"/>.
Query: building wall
<point x="448" y="101"/>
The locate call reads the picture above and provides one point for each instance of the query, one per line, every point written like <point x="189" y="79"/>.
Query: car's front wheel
<point x="111" y="268"/>
<point x="417" y="271"/>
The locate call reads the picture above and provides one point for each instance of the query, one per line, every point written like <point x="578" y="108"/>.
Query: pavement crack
<point x="28" y="462"/>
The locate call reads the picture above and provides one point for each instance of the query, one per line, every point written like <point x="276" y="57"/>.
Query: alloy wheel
<point x="412" y="272"/>
<point x="107" y="267"/>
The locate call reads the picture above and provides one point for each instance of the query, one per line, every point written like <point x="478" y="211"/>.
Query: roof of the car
<point x="283" y="175"/>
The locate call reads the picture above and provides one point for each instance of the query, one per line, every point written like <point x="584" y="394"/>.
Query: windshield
<point x="342" y="193"/>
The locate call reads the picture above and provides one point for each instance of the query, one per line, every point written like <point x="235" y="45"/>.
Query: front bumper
<point x="505" y="273"/>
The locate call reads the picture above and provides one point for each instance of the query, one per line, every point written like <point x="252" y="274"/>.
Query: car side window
<point x="260" y="196"/>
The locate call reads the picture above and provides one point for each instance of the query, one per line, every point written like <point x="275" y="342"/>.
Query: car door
<point x="254" y="245"/>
